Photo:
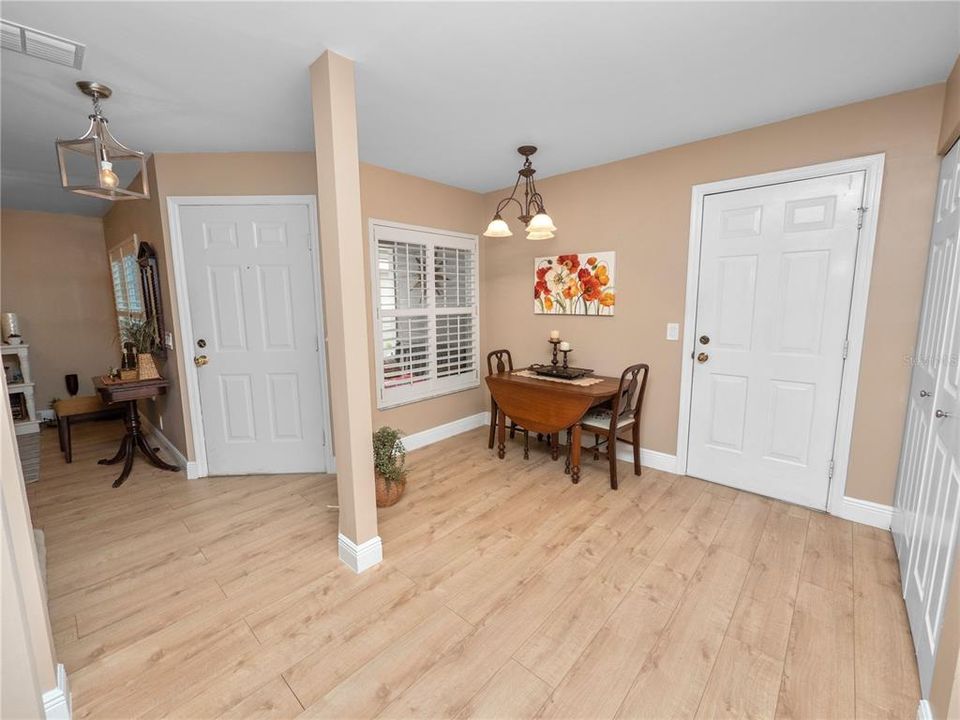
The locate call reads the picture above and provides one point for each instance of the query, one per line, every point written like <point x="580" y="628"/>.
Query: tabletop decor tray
<point x="567" y="373"/>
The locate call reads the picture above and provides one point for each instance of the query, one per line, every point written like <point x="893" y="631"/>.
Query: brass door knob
<point x="702" y="357"/>
<point x="200" y="360"/>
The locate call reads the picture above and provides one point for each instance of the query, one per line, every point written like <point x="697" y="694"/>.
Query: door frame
<point x="199" y="468"/>
<point x="872" y="166"/>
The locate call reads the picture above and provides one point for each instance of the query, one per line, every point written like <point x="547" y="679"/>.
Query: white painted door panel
<point x="776" y="277"/>
<point x="250" y="279"/>
<point x="927" y="506"/>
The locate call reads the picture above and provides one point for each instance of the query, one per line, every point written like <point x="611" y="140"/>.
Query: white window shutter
<point x="427" y="314"/>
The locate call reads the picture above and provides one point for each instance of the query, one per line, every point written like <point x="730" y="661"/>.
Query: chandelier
<point x="87" y="163"/>
<point x="539" y="226"/>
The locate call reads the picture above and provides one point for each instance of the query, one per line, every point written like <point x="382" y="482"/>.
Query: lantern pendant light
<point x="539" y="226"/>
<point x="91" y="156"/>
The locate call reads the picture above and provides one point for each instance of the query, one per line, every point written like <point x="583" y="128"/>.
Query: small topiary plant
<point x="389" y="455"/>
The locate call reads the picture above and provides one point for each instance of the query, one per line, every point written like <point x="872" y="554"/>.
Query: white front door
<point x="776" y="277"/>
<point x="927" y="507"/>
<point x="251" y="280"/>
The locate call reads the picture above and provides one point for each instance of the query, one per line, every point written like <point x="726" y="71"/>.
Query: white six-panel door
<point x="776" y="277"/>
<point x="927" y="506"/>
<point x="253" y="311"/>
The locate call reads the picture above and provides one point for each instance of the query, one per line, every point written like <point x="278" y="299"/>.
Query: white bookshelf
<point x="28" y="428"/>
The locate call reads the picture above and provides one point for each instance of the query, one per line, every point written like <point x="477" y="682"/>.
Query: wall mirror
<point x="136" y="291"/>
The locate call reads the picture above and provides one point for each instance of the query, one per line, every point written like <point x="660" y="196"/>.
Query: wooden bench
<point x="76" y="409"/>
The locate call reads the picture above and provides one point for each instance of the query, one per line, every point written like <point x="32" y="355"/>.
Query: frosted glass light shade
<point x="497" y="228"/>
<point x="541" y="222"/>
<point x="540" y="235"/>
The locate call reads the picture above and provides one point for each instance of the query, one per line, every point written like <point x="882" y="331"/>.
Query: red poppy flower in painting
<point x="570" y="262"/>
<point x="591" y="288"/>
<point x="583" y="274"/>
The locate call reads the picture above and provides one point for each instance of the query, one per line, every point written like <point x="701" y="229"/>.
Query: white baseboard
<point x="648" y="458"/>
<point x="864" y="512"/>
<point x="57" y="704"/>
<point x="923" y="711"/>
<point x="360" y="557"/>
<point x="429" y="436"/>
<point x="164" y="442"/>
<point x="653" y="459"/>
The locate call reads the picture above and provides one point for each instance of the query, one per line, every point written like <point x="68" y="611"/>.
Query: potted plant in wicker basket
<point x="140" y="334"/>
<point x="389" y="456"/>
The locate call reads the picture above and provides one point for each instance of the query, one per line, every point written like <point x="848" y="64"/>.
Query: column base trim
<point x="360" y="557"/>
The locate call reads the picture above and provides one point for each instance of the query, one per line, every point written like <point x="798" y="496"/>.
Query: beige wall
<point x="950" y="120"/>
<point x="640" y="208"/>
<point x="389" y="195"/>
<point x="55" y="275"/>
<point x="385" y="195"/>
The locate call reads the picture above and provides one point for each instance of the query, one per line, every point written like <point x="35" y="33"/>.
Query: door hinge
<point x="830" y="471"/>
<point x="860" y="211"/>
<point x="846" y="348"/>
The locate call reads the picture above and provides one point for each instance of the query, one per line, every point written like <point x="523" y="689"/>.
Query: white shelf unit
<point x="28" y="428"/>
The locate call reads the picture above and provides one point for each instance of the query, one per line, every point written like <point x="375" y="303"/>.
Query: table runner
<point x="583" y="382"/>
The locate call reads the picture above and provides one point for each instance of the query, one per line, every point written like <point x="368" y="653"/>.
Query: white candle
<point x="564" y="346"/>
<point x="554" y="334"/>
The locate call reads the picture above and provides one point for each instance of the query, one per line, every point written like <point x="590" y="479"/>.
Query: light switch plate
<point x="673" y="331"/>
<point x="168" y="340"/>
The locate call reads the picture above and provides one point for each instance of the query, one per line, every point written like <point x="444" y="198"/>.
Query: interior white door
<point x="776" y="277"/>
<point x="253" y="307"/>
<point x="927" y="512"/>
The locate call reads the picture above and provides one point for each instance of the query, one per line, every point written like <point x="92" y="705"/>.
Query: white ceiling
<point x="447" y="91"/>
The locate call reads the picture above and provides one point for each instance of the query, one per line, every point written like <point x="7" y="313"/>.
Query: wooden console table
<point x="127" y="394"/>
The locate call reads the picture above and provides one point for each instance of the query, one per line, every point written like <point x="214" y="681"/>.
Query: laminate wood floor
<point x="506" y="592"/>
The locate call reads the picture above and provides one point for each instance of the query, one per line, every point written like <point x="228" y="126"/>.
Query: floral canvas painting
<point x="580" y="284"/>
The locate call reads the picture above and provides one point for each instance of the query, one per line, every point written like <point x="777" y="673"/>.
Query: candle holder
<point x="555" y="344"/>
<point x="565" y="353"/>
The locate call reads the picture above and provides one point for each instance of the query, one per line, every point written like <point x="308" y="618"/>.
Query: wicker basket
<point x="388" y="493"/>
<point x="147" y="367"/>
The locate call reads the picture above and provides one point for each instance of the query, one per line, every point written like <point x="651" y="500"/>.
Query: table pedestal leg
<point x="575" y="455"/>
<point x="132" y="441"/>
<point x="554" y="445"/>
<point x="501" y="434"/>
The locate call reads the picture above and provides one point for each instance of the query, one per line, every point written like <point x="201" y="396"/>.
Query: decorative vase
<point x="146" y="367"/>
<point x="388" y="493"/>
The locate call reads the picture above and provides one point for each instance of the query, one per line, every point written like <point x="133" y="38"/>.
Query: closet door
<point x="927" y="511"/>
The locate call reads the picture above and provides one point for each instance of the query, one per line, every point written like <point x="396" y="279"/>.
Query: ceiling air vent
<point x="39" y="44"/>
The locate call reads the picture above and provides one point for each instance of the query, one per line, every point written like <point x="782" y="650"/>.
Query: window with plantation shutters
<point x="426" y="312"/>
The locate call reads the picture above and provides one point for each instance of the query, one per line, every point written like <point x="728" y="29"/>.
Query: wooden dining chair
<point x="504" y="364"/>
<point x="606" y="423"/>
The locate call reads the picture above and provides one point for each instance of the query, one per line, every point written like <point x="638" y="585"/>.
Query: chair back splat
<point x="633" y="384"/>
<point x="502" y="366"/>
